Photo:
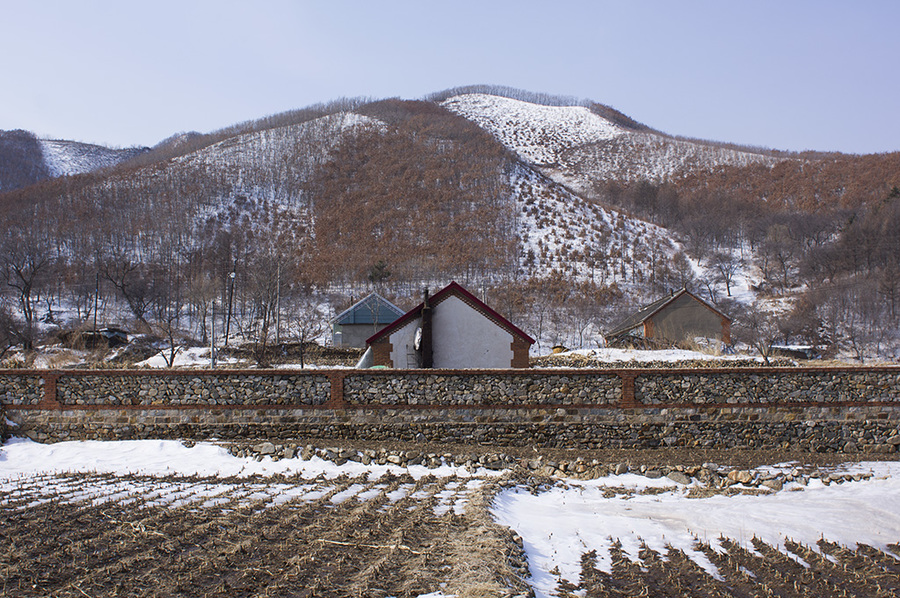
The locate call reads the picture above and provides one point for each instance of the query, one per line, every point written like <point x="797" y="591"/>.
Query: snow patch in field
<point x="561" y="524"/>
<point x="22" y="457"/>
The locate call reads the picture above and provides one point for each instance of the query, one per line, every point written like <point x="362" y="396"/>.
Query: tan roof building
<point x="680" y="316"/>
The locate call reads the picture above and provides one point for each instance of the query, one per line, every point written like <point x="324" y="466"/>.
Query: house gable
<point x="468" y="333"/>
<point x="675" y="318"/>
<point x="453" y="289"/>
<point x="355" y="324"/>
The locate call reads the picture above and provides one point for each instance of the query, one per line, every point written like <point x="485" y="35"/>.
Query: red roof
<point x="452" y="289"/>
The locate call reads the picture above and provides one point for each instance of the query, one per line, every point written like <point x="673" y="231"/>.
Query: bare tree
<point x="167" y="324"/>
<point x="9" y="332"/>
<point x="726" y="266"/>
<point x="25" y="260"/>
<point x="759" y="330"/>
<point x="308" y="321"/>
<point x="134" y="283"/>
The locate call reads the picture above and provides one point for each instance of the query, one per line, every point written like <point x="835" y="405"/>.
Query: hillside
<point x="26" y="160"/>
<point x="576" y="146"/>
<point x="563" y="215"/>
<point x="66" y="158"/>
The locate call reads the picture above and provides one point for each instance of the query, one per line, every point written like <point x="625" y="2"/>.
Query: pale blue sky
<point x="793" y="75"/>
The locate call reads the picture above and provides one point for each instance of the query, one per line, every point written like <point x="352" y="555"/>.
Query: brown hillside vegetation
<point x="833" y="183"/>
<point x="314" y="207"/>
<point x="425" y="194"/>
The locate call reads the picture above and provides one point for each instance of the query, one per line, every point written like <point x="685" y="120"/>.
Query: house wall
<point x="683" y="319"/>
<point x="355" y="335"/>
<point x="402" y="346"/>
<point x="462" y="338"/>
<point x="465" y="338"/>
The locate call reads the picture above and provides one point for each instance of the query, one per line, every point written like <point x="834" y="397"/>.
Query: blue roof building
<point x="370" y="315"/>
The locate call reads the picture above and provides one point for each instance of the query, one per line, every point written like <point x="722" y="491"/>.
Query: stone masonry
<point x="811" y="409"/>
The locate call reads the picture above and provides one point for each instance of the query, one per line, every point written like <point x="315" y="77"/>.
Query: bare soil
<point x="833" y="571"/>
<point x="154" y="536"/>
<point x="71" y="546"/>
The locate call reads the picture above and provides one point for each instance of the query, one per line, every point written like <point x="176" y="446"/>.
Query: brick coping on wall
<point x="337" y="401"/>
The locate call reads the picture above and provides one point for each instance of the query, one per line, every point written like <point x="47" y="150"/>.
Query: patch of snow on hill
<point x="273" y="163"/>
<point x="67" y="158"/>
<point x="563" y="232"/>
<point x="272" y="145"/>
<point x="646" y="156"/>
<point x="539" y="134"/>
<point x="576" y="147"/>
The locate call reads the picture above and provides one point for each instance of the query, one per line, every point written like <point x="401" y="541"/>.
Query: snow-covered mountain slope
<point x="585" y="241"/>
<point x="637" y="155"/>
<point x="264" y="146"/>
<point x="274" y="163"/>
<point x="577" y="147"/>
<point x="65" y="158"/>
<point x="539" y="134"/>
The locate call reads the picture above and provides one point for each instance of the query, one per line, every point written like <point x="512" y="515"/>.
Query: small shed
<point x="353" y="326"/>
<point x="105" y="338"/>
<point x="673" y="319"/>
<point x="451" y="329"/>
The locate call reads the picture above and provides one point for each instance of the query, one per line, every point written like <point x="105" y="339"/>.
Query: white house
<point x="451" y="329"/>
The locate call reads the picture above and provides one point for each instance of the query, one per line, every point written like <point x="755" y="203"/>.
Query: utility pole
<point x="96" y="302"/>
<point x="212" y="339"/>
<point x="230" y="302"/>
<point x="278" y="306"/>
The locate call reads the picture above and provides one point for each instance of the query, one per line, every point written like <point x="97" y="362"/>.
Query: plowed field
<point x="97" y="535"/>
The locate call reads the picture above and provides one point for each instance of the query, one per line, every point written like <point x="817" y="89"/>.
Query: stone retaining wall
<point x="859" y="429"/>
<point x="21" y="388"/>
<point x="544" y="388"/>
<point x="847" y="409"/>
<point x="215" y="389"/>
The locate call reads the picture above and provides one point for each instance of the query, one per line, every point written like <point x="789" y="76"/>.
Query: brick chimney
<point x="426" y="348"/>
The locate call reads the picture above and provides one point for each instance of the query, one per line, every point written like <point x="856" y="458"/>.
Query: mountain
<point x="25" y="159"/>
<point x="21" y="160"/>
<point x="578" y="146"/>
<point x="66" y="158"/>
<point x="562" y="213"/>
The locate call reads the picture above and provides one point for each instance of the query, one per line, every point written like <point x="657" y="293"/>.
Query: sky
<point x="805" y="74"/>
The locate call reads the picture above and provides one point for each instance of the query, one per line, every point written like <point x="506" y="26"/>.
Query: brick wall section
<point x="381" y="353"/>
<point x="150" y="389"/>
<point x="480" y="388"/>
<point x="520" y="349"/>
<point x="163" y="388"/>
<point x="728" y="387"/>
<point x="825" y="408"/>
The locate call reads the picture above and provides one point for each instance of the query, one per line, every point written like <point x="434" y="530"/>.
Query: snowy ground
<point x="611" y="355"/>
<point x="558" y="524"/>
<point x="196" y="357"/>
